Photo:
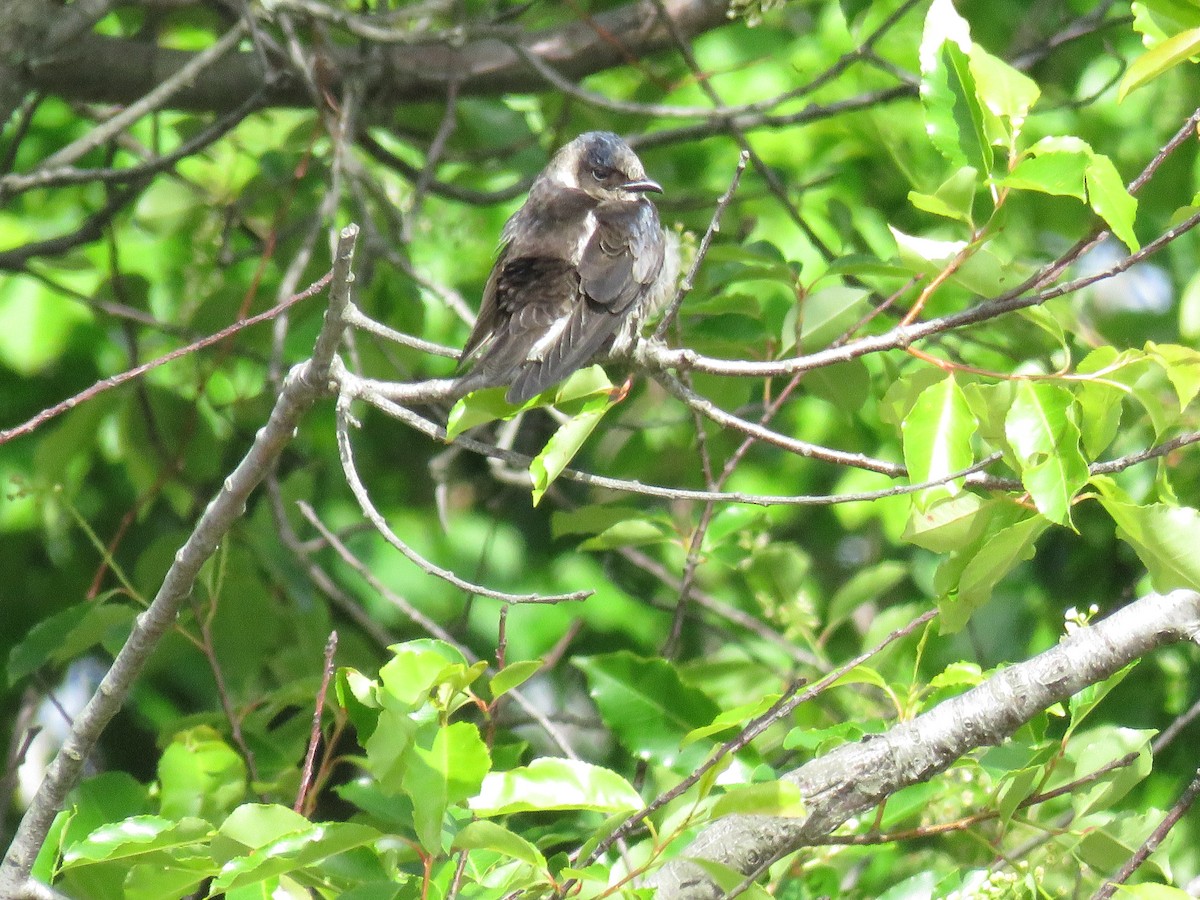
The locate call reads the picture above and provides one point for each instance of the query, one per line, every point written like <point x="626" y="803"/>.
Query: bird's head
<point x="603" y="166"/>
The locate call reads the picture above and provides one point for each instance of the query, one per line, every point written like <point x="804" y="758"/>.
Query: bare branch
<point x="303" y="386"/>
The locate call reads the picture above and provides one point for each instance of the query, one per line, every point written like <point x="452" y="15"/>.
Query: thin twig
<point x="117" y="380"/>
<point x="714" y="226"/>
<point x="1152" y="842"/>
<point x="314" y="737"/>
<point x="782" y="708"/>
<point x="155" y="99"/>
<point x="346" y="451"/>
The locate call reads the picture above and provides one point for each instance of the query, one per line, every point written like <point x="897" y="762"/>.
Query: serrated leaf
<point x="1052" y="167"/>
<point x="1041" y="428"/>
<point x="731" y="718"/>
<point x="591" y="519"/>
<point x="1111" y="200"/>
<point x="255" y="825"/>
<point x="1154" y="62"/>
<point x="633" y="533"/>
<point x="486" y="835"/>
<point x="550" y="784"/>
<point x="979" y="271"/>
<point x="954" y="199"/>
<point x="134" y="837"/>
<point x="1164" y="537"/>
<point x="994" y="559"/>
<point x="828" y="313"/>
<point x="478" y="408"/>
<point x="1182" y="365"/>
<point x="937" y="435"/>
<point x="648" y="706"/>
<point x="865" y="585"/>
<point x="66" y="635"/>
<point x="730" y="880"/>
<point x="945" y="525"/>
<point x="953" y="117"/>
<point x="293" y="852"/>
<point x="1004" y="91"/>
<point x="446" y="771"/>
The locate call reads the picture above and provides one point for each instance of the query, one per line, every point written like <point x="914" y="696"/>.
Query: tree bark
<point x="119" y="70"/>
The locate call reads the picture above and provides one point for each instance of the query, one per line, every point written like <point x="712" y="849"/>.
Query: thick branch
<point x="121" y="70"/>
<point x="306" y="382"/>
<point x="855" y="777"/>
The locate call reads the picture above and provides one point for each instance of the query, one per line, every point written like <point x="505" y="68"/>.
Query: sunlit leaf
<point x="550" y="784"/>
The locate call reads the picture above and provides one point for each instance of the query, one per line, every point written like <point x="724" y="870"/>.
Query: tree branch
<point x="855" y="777"/>
<point x="303" y="386"/>
<point x="125" y="69"/>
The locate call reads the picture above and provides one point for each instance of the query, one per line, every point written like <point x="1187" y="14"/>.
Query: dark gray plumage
<point x="577" y="266"/>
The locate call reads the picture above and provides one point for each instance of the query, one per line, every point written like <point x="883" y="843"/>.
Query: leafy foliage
<point x="937" y="245"/>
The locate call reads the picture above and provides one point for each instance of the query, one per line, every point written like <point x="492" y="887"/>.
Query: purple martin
<point x="578" y="267"/>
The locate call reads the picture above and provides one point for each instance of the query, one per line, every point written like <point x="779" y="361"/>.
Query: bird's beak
<point x="643" y="185"/>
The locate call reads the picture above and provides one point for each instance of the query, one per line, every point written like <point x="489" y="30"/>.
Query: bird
<point x="579" y="265"/>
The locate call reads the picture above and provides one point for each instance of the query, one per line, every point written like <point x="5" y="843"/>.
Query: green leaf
<point x="1167" y="55"/>
<point x="937" y="436"/>
<point x="1111" y="200"/>
<point x="954" y="120"/>
<point x="946" y="525"/>
<point x="1096" y="749"/>
<point x="828" y="313"/>
<point x="995" y="558"/>
<point x="730" y="880"/>
<point x="1156" y="20"/>
<point x="447" y="771"/>
<point x="1068" y="166"/>
<point x="255" y="825"/>
<point x="134" y="837"/>
<point x="648" y="706"/>
<point x="554" y="784"/>
<point x="478" y="408"/>
<point x="954" y="199"/>
<point x="486" y="835"/>
<point x="417" y="666"/>
<point x="1182" y="365"/>
<point x="292" y="853"/>
<point x="979" y="271"/>
<point x="731" y="718"/>
<point x="1083" y="703"/>
<point x="1005" y="92"/>
<point x="200" y="775"/>
<point x="591" y="519"/>
<point x="864" y="586"/>
<point x="1152" y="892"/>
<point x="565" y="443"/>
<point x="1165" y="537"/>
<point x="633" y="533"/>
<point x="66" y="635"/>
<point x="771" y="798"/>
<point x="513" y="675"/>
<point x="1041" y="428"/>
<point x="1054" y="165"/>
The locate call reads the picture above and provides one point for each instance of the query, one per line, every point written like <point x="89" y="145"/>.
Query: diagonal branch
<point x="307" y="382"/>
<point x="855" y="777"/>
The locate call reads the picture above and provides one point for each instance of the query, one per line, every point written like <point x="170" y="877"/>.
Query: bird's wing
<point x="624" y="256"/>
<point x="618" y="265"/>
<point x="526" y="300"/>
<point x="486" y="321"/>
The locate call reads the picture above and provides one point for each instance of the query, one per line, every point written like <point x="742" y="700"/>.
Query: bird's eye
<point x="601" y="172"/>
